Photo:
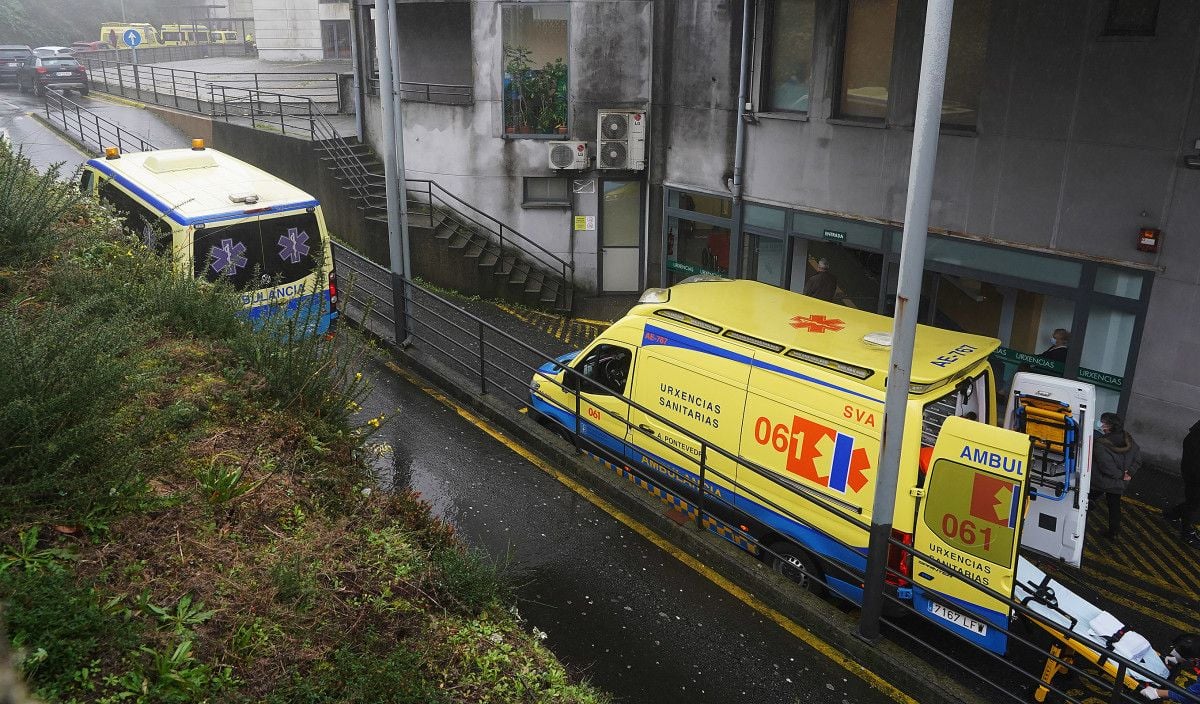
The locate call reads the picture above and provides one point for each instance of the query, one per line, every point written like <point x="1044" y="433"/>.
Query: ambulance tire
<point x="798" y="565"/>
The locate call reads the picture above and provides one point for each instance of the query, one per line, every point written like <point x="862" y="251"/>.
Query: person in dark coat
<point x="1185" y="514"/>
<point x="1116" y="458"/>
<point x="1057" y="351"/>
<point x="823" y="284"/>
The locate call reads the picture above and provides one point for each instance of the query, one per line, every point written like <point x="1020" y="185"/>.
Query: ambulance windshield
<point x="968" y="398"/>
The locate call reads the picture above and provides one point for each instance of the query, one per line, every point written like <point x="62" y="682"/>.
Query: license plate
<point x="64" y="73"/>
<point x="960" y="620"/>
<point x="13" y="65"/>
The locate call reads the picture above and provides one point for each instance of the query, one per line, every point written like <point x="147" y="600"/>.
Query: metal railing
<point x="157" y="54"/>
<point x="437" y="198"/>
<point x="88" y="128"/>
<point x="439" y="93"/>
<point x="200" y="91"/>
<point x="484" y="357"/>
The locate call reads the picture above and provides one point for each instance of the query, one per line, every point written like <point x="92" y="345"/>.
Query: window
<point x="973" y="511"/>
<point x="788" y="55"/>
<point x="153" y="232"/>
<point x="543" y="191"/>
<point x="605" y="367"/>
<point x="535" y="68"/>
<point x="435" y="47"/>
<point x="1131" y="18"/>
<point x="762" y="258"/>
<point x="965" y="63"/>
<point x="254" y="254"/>
<point x="335" y="39"/>
<point x="867" y="59"/>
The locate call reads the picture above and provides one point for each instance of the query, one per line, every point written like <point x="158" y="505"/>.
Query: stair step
<point x="549" y="291"/>
<point x="460" y="240"/>
<point x="475" y="249"/>
<point x="534" y="284"/>
<point x="519" y="274"/>
<point x="488" y="258"/>
<point x="505" y="266"/>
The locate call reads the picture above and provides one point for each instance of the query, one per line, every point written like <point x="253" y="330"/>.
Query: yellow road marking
<point x="1148" y="554"/>
<point x="1161" y="601"/>
<point x="1146" y="577"/>
<point x="1156" y="615"/>
<point x="708" y="573"/>
<point x="1169" y="546"/>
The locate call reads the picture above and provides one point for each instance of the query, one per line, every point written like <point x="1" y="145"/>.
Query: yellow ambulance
<point x="773" y="403"/>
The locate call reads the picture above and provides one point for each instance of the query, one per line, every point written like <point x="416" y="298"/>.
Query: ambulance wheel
<point x="798" y="565"/>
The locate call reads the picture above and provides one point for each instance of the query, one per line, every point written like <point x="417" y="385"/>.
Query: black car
<point x="12" y="57"/>
<point x="41" y="72"/>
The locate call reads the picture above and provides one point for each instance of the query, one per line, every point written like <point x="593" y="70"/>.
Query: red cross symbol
<point x="817" y="323"/>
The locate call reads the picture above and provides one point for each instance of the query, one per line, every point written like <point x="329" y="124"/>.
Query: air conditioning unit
<point x="567" y="155"/>
<point x="621" y="139"/>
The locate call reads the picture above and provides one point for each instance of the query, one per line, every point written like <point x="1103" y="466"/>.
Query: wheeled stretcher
<point x="1080" y="628"/>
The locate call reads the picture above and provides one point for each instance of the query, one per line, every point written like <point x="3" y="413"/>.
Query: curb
<point x="899" y="667"/>
<point x="116" y="99"/>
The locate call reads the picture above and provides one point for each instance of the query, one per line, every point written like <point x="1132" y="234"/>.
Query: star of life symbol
<point x="228" y="258"/>
<point x="293" y="245"/>
<point x="817" y="323"/>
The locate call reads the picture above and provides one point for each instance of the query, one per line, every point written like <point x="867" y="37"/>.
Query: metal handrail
<point x="106" y="133"/>
<point x="507" y="343"/>
<point x="187" y="85"/>
<point x="438" y="93"/>
<point x="498" y="228"/>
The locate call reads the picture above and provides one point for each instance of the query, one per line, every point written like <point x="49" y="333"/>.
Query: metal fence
<point x="159" y="54"/>
<point x="440" y="93"/>
<point x="201" y="91"/>
<point x="88" y="128"/>
<point x="497" y="363"/>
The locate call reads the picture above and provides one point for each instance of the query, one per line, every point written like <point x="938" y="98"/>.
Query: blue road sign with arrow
<point x="132" y="37"/>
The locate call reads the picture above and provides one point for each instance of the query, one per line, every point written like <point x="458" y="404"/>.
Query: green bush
<point x="32" y="204"/>
<point x="471" y="580"/>
<point x="66" y="374"/>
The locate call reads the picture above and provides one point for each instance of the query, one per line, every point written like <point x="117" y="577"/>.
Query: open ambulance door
<point x="969" y="522"/>
<point x="1058" y="415"/>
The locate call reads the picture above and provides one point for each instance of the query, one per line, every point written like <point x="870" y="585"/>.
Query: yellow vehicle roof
<point x="813" y="328"/>
<point x="201" y="186"/>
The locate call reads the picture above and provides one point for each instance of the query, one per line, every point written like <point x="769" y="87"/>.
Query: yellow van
<point x="221" y="219"/>
<point x="791" y="391"/>
<point x="182" y="34"/>
<point x="113" y="34"/>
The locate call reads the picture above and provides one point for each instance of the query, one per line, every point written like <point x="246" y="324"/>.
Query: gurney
<point x="1080" y="628"/>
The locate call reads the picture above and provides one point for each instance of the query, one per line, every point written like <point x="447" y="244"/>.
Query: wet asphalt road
<point x="44" y="147"/>
<point x="617" y="609"/>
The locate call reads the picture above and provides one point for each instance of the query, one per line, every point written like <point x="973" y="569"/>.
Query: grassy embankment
<point x="186" y="513"/>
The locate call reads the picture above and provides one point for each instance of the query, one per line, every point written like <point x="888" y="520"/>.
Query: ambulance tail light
<point x="333" y="296"/>
<point x="899" y="560"/>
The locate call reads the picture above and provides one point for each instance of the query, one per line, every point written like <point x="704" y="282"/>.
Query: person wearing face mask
<point x="1057" y="351"/>
<point x="1116" y="458"/>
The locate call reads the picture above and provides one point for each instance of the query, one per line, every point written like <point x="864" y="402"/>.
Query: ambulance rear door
<point x="1058" y="415"/>
<point x="968" y="522"/>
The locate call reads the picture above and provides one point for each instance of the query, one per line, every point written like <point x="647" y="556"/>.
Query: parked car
<point x="89" y="46"/>
<point x="53" y="51"/>
<point x="12" y="56"/>
<point x="41" y="72"/>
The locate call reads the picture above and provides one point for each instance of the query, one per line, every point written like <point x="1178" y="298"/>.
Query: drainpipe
<point x="645" y="279"/>
<point x="356" y="67"/>
<point x="739" y="143"/>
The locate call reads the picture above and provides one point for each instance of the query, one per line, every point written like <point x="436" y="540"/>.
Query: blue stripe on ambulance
<point x="312" y="303"/>
<point x="810" y="538"/>
<point x="655" y="335"/>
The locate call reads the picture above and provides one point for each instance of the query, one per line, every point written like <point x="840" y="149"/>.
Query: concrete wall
<point x="1079" y="143"/>
<point x="464" y="148"/>
<point x="290" y="30"/>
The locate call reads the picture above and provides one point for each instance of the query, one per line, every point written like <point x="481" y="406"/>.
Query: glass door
<point x="620" y="236"/>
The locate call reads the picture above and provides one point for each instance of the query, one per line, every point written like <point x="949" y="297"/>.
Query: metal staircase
<point x="511" y="265"/>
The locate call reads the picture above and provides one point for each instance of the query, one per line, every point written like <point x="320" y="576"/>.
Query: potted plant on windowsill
<point x="517" y="81"/>
<point x="547" y="98"/>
